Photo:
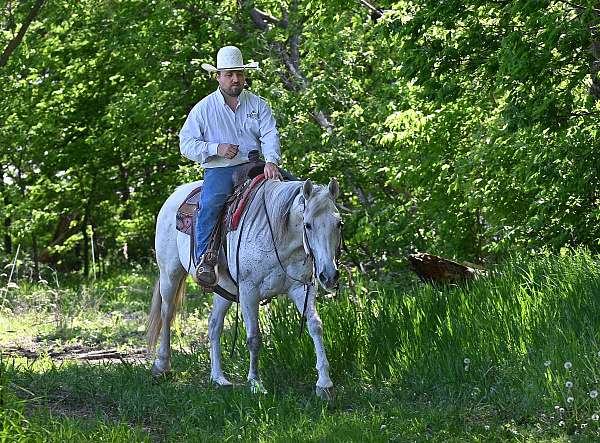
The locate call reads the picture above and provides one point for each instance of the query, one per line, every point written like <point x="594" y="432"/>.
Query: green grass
<point x="481" y="362"/>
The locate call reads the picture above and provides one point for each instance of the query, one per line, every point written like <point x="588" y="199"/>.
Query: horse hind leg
<point x="171" y="287"/>
<point x="215" y="329"/>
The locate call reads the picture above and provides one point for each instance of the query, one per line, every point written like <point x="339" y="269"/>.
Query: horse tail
<point x="155" y="318"/>
<point x="179" y="296"/>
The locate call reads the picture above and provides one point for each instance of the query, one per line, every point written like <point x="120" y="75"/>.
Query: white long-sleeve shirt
<point x="211" y="121"/>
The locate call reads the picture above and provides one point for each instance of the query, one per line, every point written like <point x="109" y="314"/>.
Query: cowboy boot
<point x="206" y="273"/>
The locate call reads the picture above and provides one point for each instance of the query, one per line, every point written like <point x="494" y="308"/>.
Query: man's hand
<point x="272" y="172"/>
<point x="227" y="150"/>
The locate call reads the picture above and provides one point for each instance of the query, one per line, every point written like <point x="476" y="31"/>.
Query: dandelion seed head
<point x="595" y="417"/>
<point x="561" y="410"/>
<point x="547" y="363"/>
<point x="467" y="361"/>
<point x="561" y="423"/>
<point x="570" y="399"/>
<point x="593" y="394"/>
<point x="569" y="384"/>
<point x="556" y="408"/>
<point x="568" y="365"/>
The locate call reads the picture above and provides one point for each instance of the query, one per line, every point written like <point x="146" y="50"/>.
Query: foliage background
<point x="468" y="130"/>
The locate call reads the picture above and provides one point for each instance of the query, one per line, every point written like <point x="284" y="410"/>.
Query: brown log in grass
<point x="434" y="269"/>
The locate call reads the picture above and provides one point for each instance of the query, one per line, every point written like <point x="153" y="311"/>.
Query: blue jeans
<point x="217" y="187"/>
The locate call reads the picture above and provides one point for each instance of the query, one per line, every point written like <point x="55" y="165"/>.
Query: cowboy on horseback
<point x="220" y="133"/>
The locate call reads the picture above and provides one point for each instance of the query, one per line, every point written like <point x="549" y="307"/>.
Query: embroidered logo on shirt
<point x="253" y="115"/>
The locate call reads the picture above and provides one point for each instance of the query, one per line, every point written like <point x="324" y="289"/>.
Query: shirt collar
<point x="221" y="99"/>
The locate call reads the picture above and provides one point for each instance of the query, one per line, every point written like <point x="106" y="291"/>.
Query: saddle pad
<point x="187" y="211"/>
<point x="240" y="200"/>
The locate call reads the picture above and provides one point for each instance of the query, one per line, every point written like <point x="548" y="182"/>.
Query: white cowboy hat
<point x="229" y="58"/>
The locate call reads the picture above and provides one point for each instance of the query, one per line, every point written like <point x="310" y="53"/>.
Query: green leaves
<point x="464" y="129"/>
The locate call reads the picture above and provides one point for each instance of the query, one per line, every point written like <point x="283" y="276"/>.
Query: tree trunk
<point x="86" y="246"/>
<point x="7" y="220"/>
<point x="36" y="264"/>
<point x="12" y="45"/>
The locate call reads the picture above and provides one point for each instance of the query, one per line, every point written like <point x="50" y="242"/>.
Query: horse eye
<point x="308" y="226"/>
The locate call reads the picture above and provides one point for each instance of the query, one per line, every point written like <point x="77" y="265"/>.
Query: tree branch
<point x="12" y="45"/>
<point x="375" y="12"/>
<point x="262" y="20"/>
<point x="288" y="53"/>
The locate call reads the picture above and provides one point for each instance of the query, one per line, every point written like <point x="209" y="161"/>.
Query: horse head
<point x="322" y="230"/>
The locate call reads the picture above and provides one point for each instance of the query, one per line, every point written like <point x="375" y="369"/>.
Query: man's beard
<point x="234" y="91"/>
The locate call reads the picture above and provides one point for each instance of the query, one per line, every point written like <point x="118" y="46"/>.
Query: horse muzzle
<point x="329" y="280"/>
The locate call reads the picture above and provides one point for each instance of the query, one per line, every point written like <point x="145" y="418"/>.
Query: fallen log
<point x="434" y="269"/>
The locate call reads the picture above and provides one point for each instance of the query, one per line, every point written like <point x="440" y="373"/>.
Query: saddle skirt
<point x="187" y="211"/>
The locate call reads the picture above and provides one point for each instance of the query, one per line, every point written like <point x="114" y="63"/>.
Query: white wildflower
<point x="595" y="417"/>
<point x="467" y="361"/>
<point x="568" y="365"/>
<point x="547" y="363"/>
<point x="561" y="423"/>
<point x="593" y="394"/>
<point x="383" y="427"/>
<point x="561" y="410"/>
<point x="569" y="384"/>
<point x="570" y="399"/>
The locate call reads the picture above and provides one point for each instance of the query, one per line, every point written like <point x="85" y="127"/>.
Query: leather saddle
<point x="243" y="181"/>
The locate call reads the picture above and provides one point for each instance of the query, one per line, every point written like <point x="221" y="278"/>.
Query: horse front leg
<point x="324" y="386"/>
<point x="249" y="304"/>
<point x="215" y="329"/>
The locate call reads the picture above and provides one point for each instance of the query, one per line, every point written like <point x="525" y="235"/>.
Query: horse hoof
<point x="325" y="394"/>
<point x="257" y="387"/>
<point x="221" y="382"/>
<point x="157" y="371"/>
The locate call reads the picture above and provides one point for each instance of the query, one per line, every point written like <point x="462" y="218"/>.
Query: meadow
<point x="513" y="356"/>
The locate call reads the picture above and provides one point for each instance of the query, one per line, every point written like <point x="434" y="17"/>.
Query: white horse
<point x="289" y="232"/>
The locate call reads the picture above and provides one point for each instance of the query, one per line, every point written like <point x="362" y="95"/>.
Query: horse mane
<point x="280" y="198"/>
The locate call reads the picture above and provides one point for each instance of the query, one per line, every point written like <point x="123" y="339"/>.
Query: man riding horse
<point x="220" y="132"/>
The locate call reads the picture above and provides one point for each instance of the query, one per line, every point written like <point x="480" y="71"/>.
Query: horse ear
<point x="307" y="189"/>
<point x="334" y="188"/>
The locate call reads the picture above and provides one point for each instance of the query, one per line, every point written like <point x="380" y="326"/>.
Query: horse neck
<point x="292" y="238"/>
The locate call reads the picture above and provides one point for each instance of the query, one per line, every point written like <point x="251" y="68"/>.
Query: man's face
<point x="231" y="82"/>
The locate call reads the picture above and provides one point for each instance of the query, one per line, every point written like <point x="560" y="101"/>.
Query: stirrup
<point x="206" y="273"/>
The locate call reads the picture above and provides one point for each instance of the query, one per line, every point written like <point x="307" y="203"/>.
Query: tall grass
<point x="497" y="333"/>
<point x="518" y="346"/>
